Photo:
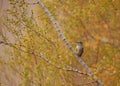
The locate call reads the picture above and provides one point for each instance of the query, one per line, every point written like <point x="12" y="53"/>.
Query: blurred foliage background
<point x="28" y="31"/>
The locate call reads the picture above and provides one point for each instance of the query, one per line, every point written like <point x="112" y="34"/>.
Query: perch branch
<point x="67" y="44"/>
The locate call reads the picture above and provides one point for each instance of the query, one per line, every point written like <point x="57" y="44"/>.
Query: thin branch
<point x="37" y="33"/>
<point x="88" y="83"/>
<point x="68" y="68"/>
<point x="32" y="3"/>
<point x="67" y="44"/>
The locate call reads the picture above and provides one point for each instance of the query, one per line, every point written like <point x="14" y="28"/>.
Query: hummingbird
<point x="79" y="49"/>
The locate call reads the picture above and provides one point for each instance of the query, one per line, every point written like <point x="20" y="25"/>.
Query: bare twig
<point x="88" y="83"/>
<point x="68" y="68"/>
